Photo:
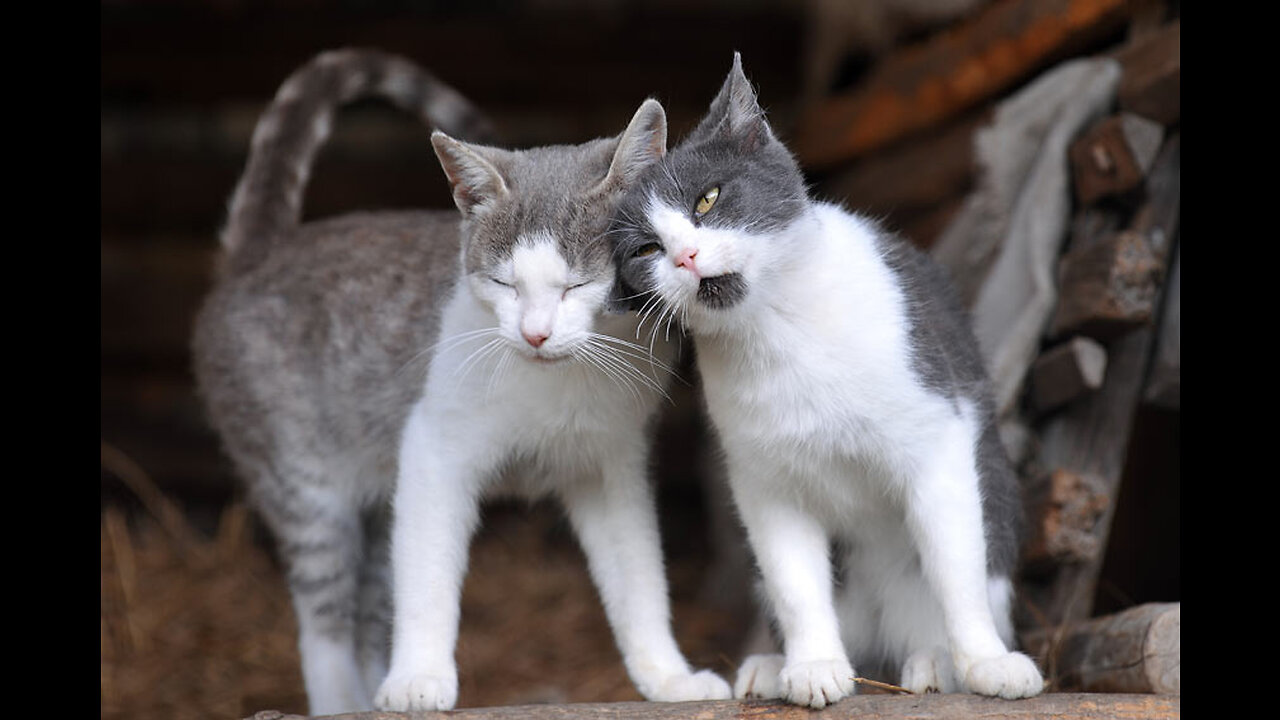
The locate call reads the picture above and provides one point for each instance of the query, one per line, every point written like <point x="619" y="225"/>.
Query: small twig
<point x="882" y="685"/>
<point x="126" y="573"/>
<point x="136" y="479"/>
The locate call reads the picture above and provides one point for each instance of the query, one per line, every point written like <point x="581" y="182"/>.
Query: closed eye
<point x="503" y="284"/>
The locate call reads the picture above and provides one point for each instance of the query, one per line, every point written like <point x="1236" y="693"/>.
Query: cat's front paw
<point x="817" y="683"/>
<point x="759" y="677"/>
<point x="1011" y="676"/>
<point x="929" y="671"/>
<point x="407" y="692"/>
<point x="701" y="685"/>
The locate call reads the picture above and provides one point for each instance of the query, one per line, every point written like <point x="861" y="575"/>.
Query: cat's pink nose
<point x="685" y="260"/>
<point x="535" y="338"/>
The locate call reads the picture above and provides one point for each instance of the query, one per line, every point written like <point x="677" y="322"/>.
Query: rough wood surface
<point x="1065" y="372"/>
<point x="1091" y="437"/>
<point x="1164" y="382"/>
<point x="1107" y="288"/>
<point x="1050" y="706"/>
<point x="1113" y="157"/>
<point x="1152" y="82"/>
<point x="1064" y="515"/>
<point x="1134" y="651"/>
<point x="924" y="85"/>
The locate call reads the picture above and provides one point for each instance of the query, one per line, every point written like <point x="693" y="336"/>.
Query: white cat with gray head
<point x="310" y="354"/>
<point x="556" y="398"/>
<point x="851" y="402"/>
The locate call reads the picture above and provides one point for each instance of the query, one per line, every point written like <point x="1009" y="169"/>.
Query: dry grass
<point x="196" y="627"/>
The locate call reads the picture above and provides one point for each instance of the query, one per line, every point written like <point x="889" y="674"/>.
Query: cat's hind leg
<point x="318" y="537"/>
<point x="615" y="518"/>
<point x="373" y="615"/>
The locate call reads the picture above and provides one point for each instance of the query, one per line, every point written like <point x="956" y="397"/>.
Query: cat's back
<point x="943" y="350"/>
<point x="325" y="329"/>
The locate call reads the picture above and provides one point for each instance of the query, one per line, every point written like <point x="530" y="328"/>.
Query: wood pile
<point x="900" y="145"/>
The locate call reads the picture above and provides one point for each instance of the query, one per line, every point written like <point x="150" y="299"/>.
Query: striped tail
<point x="268" y="200"/>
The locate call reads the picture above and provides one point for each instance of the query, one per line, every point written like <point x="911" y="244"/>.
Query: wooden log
<point x="921" y="86"/>
<point x="1090" y="438"/>
<point x="1066" y="372"/>
<point x="1164" y="382"/>
<point x="1134" y="651"/>
<point x="1114" y="156"/>
<point x="1152" y="81"/>
<point x="917" y="176"/>
<point x="1049" y="706"/>
<point x="1064" y="513"/>
<point x="1108" y="288"/>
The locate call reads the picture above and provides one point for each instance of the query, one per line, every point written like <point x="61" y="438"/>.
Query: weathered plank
<point x="1049" y="706"/>
<point x="1090" y="438"/>
<point x="1152" y="81"/>
<point x="1134" y="651"/>
<point x="1114" y="156"/>
<point x="1107" y="288"/>
<point x="1064" y="513"/>
<point x="923" y="85"/>
<point x="1065" y="372"/>
<point x="1164" y="381"/>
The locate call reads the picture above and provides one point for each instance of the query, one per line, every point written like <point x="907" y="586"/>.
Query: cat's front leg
<point x="944" y="516"/>
<point x="435" y="513"/>
<point x="615" y="518"/>
<point x="791" y="548"/>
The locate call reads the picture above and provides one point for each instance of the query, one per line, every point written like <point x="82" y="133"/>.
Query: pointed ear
<point x="735" y="112"/>
<point x="643" y="142"/>
<point x="474" y="180"/>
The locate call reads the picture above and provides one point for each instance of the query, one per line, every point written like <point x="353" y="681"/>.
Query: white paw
<point x="405" y="692"/>
<point x="758" y="677"/>
<point x="817" y="683"/>
<point x="1012" y="675"/>
<point x="929" y="671"/>
<point x="701" y="685"/>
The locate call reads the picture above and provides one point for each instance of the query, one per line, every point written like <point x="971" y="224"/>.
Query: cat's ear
<point x="735" y="112"/>
<point x="474" y="180"/>
<point x="643" y="142"/>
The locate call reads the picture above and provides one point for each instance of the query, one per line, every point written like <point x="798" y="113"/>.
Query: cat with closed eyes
<point x="853" y="410"/>
<point x="375" y="376"/>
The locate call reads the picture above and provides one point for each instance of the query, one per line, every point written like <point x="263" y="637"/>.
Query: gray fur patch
<point x="722" y="291"/>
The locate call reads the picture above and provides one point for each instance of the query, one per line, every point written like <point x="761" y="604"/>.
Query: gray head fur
<point x="568" y="192"/>
<point x="732" y="148"/>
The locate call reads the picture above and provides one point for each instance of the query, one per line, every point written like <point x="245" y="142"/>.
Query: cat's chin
<point x="722" y="291"/>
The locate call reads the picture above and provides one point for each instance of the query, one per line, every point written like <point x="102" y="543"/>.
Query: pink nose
<point x="685" y="259"/>
<point x="534" y="339"/>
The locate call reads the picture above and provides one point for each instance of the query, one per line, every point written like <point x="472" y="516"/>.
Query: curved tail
<point x="268" y="199"/>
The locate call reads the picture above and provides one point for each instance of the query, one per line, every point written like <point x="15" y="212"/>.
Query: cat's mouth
<point x="722" y="291"/>
<point x="542" y="359"/>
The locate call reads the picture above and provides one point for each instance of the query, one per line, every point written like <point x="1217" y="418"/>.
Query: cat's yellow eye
<point x="649" y="249"/>
<point x="706" y="201"/>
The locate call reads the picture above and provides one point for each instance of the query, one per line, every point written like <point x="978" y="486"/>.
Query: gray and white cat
<point x="310" y="354"/>
<point x="849" y="396"/>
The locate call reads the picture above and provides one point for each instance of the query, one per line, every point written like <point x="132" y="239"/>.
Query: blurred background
<point x="195" y="618"/>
